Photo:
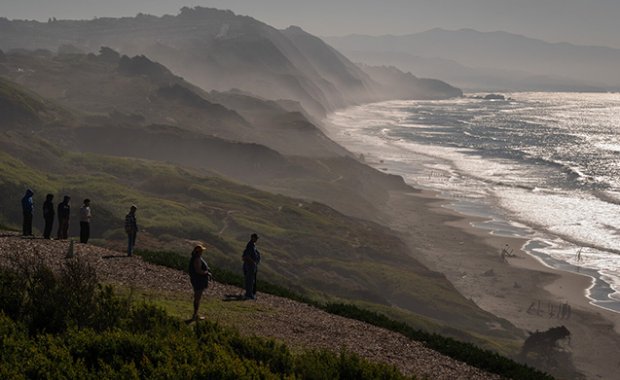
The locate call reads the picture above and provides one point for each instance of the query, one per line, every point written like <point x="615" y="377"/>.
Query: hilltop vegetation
<point x="31" y="293"/>
<point x="99" y="335"/>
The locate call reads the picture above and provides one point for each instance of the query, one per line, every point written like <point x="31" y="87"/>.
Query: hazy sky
<point x="593" y="22"/>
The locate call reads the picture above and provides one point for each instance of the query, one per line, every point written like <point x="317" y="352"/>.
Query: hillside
<point x="180" y="176"/>
<point x="160" y="116"/>
<point x="313" y="249"/>
<point x="489" y="60"/>
<point x="216" y="50"/>
<point x="215" y="166"/>
<point x="21" y="108"/>
<point x="298" y="325"/>
<point x="407" y="85"/>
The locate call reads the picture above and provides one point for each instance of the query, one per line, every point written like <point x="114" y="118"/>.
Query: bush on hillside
<point x="136" y="342"/>
<point x="465" y="352"/>
<point x="48" y="303"/>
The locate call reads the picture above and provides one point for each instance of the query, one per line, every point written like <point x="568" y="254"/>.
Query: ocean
<point x="543" y="166"/>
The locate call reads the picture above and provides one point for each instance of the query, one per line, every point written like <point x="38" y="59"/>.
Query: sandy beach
<point x="520" y="289"/>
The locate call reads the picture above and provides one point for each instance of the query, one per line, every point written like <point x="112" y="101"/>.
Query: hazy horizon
<point x="571" y="21"/>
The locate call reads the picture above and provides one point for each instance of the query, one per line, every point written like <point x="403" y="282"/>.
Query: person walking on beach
<point x="85" y="216"/>
<point x="48" y="215"/>
<point x="251" y="259"/>
<point x="131" y="228"/>
<point x="27" y="210"/>
<point x="199" y="276"/>
<point x="64" y="212"/>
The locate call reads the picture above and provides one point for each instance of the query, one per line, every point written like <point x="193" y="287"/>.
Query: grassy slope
<point x="131" y="96"/>
<point x="308" y="247"/>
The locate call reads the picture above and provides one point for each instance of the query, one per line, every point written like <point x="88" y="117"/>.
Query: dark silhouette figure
<point x="27" y="210"/>
<point x="85" y="216"/>
<point x="199" y="276"/>
<point x="64" y="212"/>
<point x="131" y="228"/>
<point x="48" y="215"/>
<point x="251" y="259"/>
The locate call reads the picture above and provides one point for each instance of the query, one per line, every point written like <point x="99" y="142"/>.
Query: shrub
<point x="465" y="352"/>
<point x="90" y="333"/>
<point x="318" y="365"/>
<point x="49" y="303"/>
<point x="149" y="318"/>
<point x="11" y="293"/>
<point x="110" y="309"/>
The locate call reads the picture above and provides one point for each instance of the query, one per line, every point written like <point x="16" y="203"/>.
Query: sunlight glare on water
<point x="550" y="161"/>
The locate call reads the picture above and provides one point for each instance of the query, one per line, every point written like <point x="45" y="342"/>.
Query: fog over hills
<point x="489" y="60"/>
<point x="217" y="50"/>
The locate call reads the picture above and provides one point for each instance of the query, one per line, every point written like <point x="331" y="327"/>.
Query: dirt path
<point x="294" y="323"/>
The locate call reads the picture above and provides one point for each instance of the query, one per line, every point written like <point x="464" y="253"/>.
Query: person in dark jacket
<point x="85" y="216"/>
<point x="251" y="259"/>
<point x="199" y="276"/>
<point x="131" y="228"/>
<point x="48" y="215"/>
<point x="27" y="209"/>
<point x="64" y="212"/>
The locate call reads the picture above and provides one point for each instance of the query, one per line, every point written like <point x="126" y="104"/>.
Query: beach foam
<point x="542" y="167"/>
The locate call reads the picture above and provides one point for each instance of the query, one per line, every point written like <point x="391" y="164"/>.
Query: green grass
<point x="465" y="352"/>
<point x="308" y="247"/>
<point x="99" y="335"/>
<point x="17" y="105"/>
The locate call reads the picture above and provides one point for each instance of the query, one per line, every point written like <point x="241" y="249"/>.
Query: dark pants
<point x="49" y="222"/>
<point x="131" y="242"/>
<point x="249" y="274"/>
<point x="27" y="227"/>
<point x="84" y="232"/>
<point x="63" y="228"/>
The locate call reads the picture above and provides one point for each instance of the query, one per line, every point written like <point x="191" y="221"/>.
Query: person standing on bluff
<point x="85" y="216"/>
<point x="251" y="259"/>
<point x="64" y="212"/>
<point x="48" y="215"/>
<point x="131" y="228"/>
<point x="27" y="210"/>
<point x="199" y="276"/>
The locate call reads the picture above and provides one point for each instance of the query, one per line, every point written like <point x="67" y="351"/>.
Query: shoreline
<point x="521" y="289"/>
<point x="464" y="243"/>
<point x="437" y="169"/>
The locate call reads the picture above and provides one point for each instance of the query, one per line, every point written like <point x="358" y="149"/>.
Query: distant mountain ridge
<point x="511" y="60"/>
<point x="216" y="50"/>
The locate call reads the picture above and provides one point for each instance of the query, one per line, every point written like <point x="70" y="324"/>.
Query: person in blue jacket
<point x="251" y="259"/>
<point x="27" y="209"/>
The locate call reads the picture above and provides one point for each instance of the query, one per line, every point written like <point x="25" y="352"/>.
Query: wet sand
<point x="520" y="289"/>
